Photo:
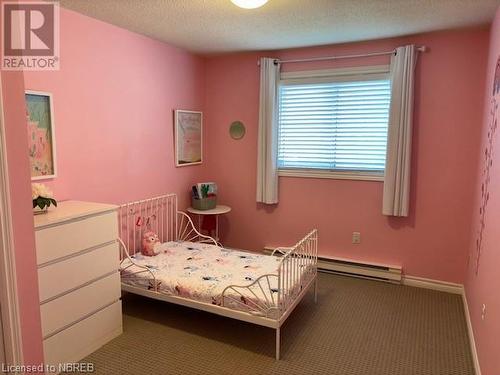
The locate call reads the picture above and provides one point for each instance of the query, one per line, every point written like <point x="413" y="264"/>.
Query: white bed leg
<point x="278" y="344"/>
<point x="316" y="289"/>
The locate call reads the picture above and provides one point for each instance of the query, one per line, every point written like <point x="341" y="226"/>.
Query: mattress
<point x="201" y="272"/>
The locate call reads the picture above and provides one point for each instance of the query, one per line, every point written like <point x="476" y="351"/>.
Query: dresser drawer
<point x="57" y="278"/>
<point x="57" y="241"/>
<point x="78" y="341"/>
<point x="71" y="307"/>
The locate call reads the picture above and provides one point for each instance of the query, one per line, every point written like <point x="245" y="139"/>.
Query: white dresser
<point x="78" y="279"/>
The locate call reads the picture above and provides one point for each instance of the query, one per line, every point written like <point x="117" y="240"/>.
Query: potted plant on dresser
<point x="42" y="198"/>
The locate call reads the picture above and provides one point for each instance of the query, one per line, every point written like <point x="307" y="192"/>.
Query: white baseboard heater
<point x="357" y="269"/>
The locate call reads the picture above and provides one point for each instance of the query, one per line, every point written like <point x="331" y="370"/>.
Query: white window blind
<point x="337" y="126"/>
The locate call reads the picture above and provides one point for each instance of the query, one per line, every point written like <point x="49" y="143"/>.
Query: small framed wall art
<point x="188" y="138"/>
<point x="41" y="135"/>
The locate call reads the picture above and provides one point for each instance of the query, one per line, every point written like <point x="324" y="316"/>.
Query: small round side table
<point x="218" y="210"/>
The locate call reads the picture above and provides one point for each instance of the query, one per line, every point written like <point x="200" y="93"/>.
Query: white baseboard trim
<point x="472" y="341"/>
<point x="453" y="288"/>
<point x="442" y="286"/>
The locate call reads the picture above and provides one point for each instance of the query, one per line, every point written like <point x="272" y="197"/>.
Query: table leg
<point x="217" y="228"/>
<point x="199" y="223"/>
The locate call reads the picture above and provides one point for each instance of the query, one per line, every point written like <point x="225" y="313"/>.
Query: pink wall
<point x="433" y="241"/>
<point x="482" y="288"/>
<point x="113" y="99"/>
<point x="22" y="214"/>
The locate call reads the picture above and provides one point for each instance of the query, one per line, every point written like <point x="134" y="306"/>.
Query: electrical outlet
<point x="483" y="312"/>
<point x="356" y="237"/>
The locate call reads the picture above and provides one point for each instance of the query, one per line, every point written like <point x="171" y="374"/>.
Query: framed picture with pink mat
<point x="188" y="138"/>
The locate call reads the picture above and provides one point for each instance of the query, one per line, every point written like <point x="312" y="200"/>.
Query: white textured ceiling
<point x="215" y="26"/>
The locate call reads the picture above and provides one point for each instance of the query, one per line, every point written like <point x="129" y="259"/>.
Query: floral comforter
<point x="202" y="271"/>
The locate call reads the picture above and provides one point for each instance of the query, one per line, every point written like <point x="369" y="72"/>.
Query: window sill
<point x="336" y="175"/>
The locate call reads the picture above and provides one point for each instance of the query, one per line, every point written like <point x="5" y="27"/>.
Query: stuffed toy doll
<point x="150" y="244"/>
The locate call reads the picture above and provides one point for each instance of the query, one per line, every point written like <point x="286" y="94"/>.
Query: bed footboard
<point x="274" y="296"/>
<point x="298" y="268"/>
<point x="258" y="298"/>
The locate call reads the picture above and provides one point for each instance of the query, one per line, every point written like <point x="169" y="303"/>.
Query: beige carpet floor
<point x="358" y="327"/>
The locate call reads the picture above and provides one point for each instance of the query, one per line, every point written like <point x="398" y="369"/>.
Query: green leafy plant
<point x="42" y="196"/>
<point x="204" y="190"/>
<point x="43" y="202"/>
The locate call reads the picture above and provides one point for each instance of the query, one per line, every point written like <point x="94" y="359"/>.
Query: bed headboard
<point x="158" y="214"/>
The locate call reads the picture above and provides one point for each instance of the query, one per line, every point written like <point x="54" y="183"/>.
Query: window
<point x="334" y="123"/>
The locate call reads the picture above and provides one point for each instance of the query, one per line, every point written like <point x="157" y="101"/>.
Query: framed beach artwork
<point x="188" y="137"/>
<point x="41" y="138"/>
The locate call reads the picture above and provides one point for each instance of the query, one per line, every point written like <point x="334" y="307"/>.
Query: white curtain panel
<point x="396" y="201"/>
<point x="267" y="164"/>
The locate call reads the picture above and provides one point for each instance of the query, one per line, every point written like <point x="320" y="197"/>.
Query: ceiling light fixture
<point x="249" y="4"/>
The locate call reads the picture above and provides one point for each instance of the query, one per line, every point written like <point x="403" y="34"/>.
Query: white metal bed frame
<point x="297" y="271"/>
